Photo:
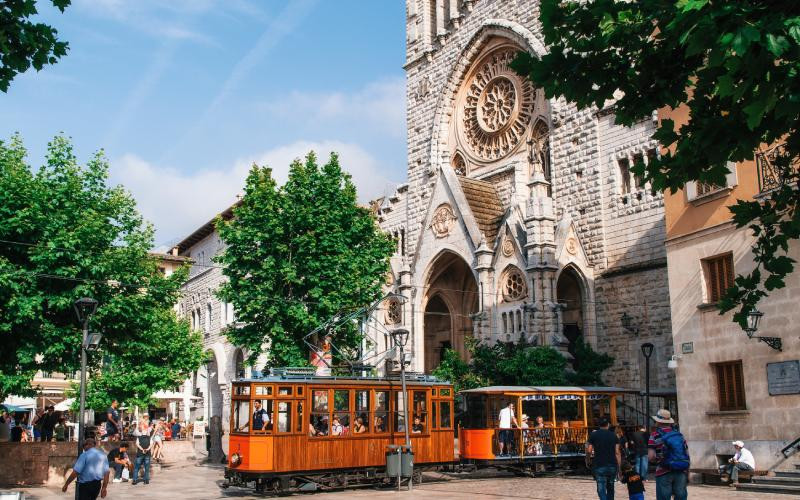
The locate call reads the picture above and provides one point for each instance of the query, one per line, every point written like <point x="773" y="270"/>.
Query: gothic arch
<point x="490" y="29"/>
<point x="572" y="296"/>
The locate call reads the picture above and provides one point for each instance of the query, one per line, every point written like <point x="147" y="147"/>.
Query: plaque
<point x="687" y="347"/>
<point x="783" y="378"/>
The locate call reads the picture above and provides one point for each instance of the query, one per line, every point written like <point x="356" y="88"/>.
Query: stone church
<point x="520" y="217"/>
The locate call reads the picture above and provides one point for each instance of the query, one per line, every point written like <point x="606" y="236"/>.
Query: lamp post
<point x="400" y="337"/>
<point x="753" y="319"/>
<point x="84" y="309"/>
<point x="647" y="351"/>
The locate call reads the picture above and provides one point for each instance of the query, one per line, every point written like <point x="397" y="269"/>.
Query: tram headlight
<point x="236" y="459"/>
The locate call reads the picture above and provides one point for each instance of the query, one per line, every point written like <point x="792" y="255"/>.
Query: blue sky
<point x="184" y="95"/>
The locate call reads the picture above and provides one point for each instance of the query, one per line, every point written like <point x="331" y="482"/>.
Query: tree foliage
<point x="733" y="64"/>
<point x="509" y="363"/>
<point x="24" y="43"/>
<point x="65" y="234"/>
<point x="296" y="256"/>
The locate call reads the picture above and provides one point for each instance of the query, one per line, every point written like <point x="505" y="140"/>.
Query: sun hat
<point x="663" y="417"/>
<point x="524" y="417"/>
<point x="740" y="444"/>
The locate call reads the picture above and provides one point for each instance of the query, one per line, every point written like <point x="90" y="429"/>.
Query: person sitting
<point x="524" y="424"/>
<point x="417" y="427"/>
<point x="742" y="460"/>
<point x="337" y="429"/>
<point x="118" y="460"/>
<point x="359" y="427"/>
<point x="311" y="430"/>
<point x="380" y="426"/>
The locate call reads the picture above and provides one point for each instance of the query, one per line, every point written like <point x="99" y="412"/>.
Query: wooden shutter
<point x="719" y="276"/>
<point x="730" y="385"/>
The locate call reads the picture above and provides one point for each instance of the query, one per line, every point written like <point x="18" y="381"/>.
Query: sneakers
<point x="117" y="480"/>
<point x="146" y="481"/>
<point x="133" y="483"/>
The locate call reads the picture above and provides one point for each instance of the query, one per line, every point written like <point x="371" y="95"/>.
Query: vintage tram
<point x="317" y="432"/>
<point x="301" y="432"/>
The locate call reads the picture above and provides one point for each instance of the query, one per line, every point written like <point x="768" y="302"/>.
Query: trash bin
<point x="392" y="463"/>
<point x="407" y="463"/>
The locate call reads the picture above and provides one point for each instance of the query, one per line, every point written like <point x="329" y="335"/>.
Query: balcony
<point x="771" y="173"/>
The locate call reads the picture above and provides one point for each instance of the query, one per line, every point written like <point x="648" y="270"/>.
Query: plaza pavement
<point x="189" y="481"/>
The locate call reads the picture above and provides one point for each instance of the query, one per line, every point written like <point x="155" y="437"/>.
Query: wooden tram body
<point x="312" y="438"/>
<point x="568" y="414"/>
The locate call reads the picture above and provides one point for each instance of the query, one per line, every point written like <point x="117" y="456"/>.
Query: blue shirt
<point x="92" y="465"/>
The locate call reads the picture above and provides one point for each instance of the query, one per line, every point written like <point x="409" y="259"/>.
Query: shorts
<point x="506" y="436"/>
<point x="111" y="430"/>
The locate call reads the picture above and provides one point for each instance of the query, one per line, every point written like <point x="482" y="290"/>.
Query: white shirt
<point x="744" y="456"/>
<point x="505" y="418"/>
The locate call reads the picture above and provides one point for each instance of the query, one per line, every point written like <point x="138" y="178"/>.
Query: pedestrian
<point x="634" y="481"/>
<point x="176" y="430"/>
<point x="742" y="460"/>
<point x="17" y="429"/>
<point x="623" y="442"/>
<point x="38" y="420"/>
<point x="158" y="440"/>
<point x="49" y="420"/>
<point x="5" y="427"/>
<point x="639" y="440"/>
<point x="603" y="447"/>
<point x="91" y="470"/>
<point x="113" y="430"/>
<point x="118" y="460"/>
<point x="668" y="449"/>
<point x="507" y="421"/>
<point x="60" y="429"/>
<point x="144" y="448"/>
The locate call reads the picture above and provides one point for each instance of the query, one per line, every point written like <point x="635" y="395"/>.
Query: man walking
<point x="507" y="421"/>
<point x="668" y="448"/>
<point x="742" y="460"/>
<point x="603" y="446"/>
<point x="49" y="420"/>
<point x="641" y="462"/>
<point x="113" y="430"/>
<point x="91" y="470"/>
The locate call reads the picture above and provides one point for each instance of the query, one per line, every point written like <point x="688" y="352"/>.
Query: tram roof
<point x="501" y="389"/>
<point x="414" y="379"/>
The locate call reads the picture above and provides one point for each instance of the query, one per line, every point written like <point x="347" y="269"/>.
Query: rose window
<point x="514" y="287"/>
<point x="497" y="104"/>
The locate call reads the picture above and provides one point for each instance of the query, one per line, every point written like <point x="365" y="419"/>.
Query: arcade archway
<point x="570" y="297"/>
<point x="451" y="297"/>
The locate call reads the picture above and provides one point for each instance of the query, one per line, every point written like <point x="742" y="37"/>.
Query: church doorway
<point x="570" y="298"/>
<point x="452" y="296"/>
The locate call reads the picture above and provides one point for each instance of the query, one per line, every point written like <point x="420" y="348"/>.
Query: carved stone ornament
<point x="394" y="313"/>
<point x="571" y="245"/>
<point x="497" y="106"/>
<point x="442" y="221"/>
<point x="507" y="246"/>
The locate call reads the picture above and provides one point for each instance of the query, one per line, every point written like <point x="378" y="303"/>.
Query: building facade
<point x="730" y="387"/>
<point x="520" y="217"/>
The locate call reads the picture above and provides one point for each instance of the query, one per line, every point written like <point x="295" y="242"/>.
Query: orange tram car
<point x="305" y="432"/>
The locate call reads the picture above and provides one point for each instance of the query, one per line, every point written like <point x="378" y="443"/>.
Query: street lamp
<point x="400" y="337"/>
<point x="647" y="351"/>
<point x="84" y="309"/>
<point x="753" y="319"/>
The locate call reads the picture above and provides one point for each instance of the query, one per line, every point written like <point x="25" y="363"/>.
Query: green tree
<point x="24" y="43"/>
<point x="733" y="64"/>
<point x="296" y="256"/>
<point x="65" y="234"/>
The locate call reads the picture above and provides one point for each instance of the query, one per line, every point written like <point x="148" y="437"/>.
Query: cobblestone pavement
<point x="202" y="482"/>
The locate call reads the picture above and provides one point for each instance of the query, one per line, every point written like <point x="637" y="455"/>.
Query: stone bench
<point x="712" y="476"/>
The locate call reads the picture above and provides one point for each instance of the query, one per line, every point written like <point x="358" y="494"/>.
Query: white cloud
<point x="379" y="105"/>
<point x="177" y="203"/>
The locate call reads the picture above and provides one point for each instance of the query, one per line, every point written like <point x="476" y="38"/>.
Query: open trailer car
<point x="568" y="414"/>
<point x="322" y="432"/>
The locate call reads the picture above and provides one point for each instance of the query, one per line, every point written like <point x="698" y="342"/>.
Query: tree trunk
<point x="215" y="454"/>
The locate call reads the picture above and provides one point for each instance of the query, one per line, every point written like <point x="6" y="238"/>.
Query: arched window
<point x="513" y="286"/>
<point x="394" y="313"/>
<point x="459" y="165"/>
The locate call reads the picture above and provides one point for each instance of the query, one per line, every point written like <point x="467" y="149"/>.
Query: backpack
<point x="676" y="455"/>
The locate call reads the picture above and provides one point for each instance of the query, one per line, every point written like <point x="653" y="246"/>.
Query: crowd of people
<point x="45" y="425"/>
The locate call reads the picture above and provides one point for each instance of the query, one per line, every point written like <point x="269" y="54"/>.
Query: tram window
<point x="242" y="390"/>
<point x="444" y="392"/>
<point x="319" y="426"/>
<point x="284" y="416"/>
<point x="299" y="390"/>
<point x="320" y="401"/>
<point x="433" y="392"/>
<point x="399" y="413"/>
<point x="420" y="412"/>
<point x="341" y="400"/>
<point x="241" y="416"/>
<point x="262" y="415"/>
<point x="380" y="422"/>
<point x="434" y="421"/>
<point x="444" y="415"/>
<point x="299" y="418"/>
<point x="381" y="401"/>
<point x="263" y="390"/>
<point x="361" y="417"/>
<point x="284" y="391"/>
<point x="340" y="425"/>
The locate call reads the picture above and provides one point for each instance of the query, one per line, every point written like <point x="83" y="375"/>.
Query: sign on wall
<point x="783" y="378"/>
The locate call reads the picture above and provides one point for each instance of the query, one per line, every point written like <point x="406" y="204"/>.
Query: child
<point x="634" y="482"/>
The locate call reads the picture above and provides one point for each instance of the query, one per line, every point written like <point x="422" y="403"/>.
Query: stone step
<point x="790" y="481"/>
<point x="769" y="488"/>
<point x="788" y="473"/>
<point x="797" y="466"/>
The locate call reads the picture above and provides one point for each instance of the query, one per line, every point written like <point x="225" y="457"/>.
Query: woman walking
<point x="158" y="440"/>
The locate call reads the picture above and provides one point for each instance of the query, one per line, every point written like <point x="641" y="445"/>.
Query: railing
<point x="543" y="442"/>
<point x="770" y="170"/>
<point x="791" y="448"/>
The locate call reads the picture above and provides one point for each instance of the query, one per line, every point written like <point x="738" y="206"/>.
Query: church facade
<point x="520" y="218"/>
